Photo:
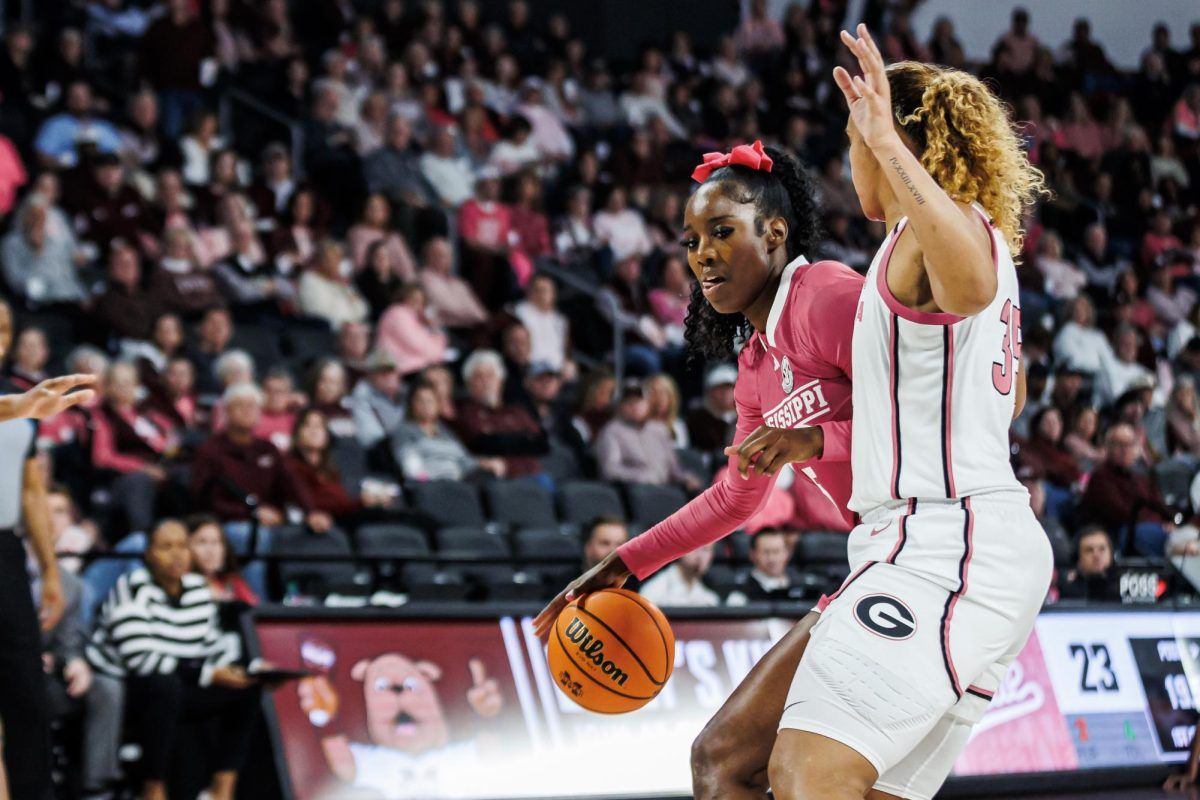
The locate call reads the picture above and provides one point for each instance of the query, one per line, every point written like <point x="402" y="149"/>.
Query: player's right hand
<point x="767" y="450"/>
<point x="610" y="573"/>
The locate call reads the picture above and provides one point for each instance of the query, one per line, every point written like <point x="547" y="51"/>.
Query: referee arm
<point x="48" y="398"/>
<point x="41" y="539"/>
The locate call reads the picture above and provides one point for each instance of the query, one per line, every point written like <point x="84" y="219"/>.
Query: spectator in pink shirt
<point x="485" y="225"/>
<point x="1185" y="116"/>
<point x="280" y="403"/>
<point x="376" y="226"/>
<point x="530" y="224"/>
<point x="1159" y="240"/>
<point x="670" y="300"/>
<point x="1080" y="132"/>
<point x="451" y="300"/>
<point x="758" y="34"/>
<point x="406" y="334"/>
<point x="549" y="135"/>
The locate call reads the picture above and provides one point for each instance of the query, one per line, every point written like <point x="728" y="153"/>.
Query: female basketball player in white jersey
<point x="950" y="565"/>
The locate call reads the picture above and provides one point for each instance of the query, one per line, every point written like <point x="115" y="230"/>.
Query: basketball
<point x="611" y="651"/>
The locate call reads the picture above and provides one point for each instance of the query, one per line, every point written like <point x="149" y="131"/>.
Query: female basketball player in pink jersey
<point x="746" y="230"/>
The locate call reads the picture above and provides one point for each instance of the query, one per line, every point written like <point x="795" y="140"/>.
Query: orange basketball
<point x="611" y="651"/>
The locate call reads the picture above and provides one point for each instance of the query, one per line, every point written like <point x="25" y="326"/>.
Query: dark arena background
<point x="392" y="292"/>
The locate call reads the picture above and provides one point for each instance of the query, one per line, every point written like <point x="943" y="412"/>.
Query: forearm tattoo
<point x="907" y="180"/>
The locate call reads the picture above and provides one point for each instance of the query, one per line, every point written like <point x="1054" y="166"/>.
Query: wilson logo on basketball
<point x="592" y="649"/>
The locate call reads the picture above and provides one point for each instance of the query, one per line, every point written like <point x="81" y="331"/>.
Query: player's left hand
<point x="868" y="96"/>
<point x="484" y="694"/>
<point x="768" y="449"/>
<point x="55" y="395"/>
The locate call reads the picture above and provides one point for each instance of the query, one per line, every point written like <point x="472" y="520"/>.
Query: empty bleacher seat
<point x="521" y="586"/>
<point x="721" y="579"/>
<point x="351" y="461"/>
<point x="650" y="505"/>
<point x="1174" y="478"/>
<point x="696" y="462"/>
<point x="421" y="583"/>
<point x="520" y="503"/>
<point x="737" y="546"/>
<point x="467" y="542"/>
<point x="391" y="541"/>
<point x="261" y="342"/>
<point x="821" y="547"/>
<point x="314" y="577"/>
<point x="245" y="541"/>
<point x="546" y="544"/>
<point x="583" y="501"/>
<point x="100" y="576"/>
<point x="449" y="502"/>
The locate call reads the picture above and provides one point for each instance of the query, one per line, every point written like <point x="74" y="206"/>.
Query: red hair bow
<point x="747" y="155"/>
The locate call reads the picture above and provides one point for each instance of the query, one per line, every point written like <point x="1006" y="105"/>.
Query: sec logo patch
<point x="884" y="615"/>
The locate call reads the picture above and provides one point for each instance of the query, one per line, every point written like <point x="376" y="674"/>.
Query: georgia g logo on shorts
<point x="884" y="615"/>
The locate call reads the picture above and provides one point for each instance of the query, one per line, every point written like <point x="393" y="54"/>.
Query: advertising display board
<point x="407" y="707"/>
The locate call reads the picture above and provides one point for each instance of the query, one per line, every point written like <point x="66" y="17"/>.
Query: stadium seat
<point x="583" y="501"/>
<point x="254" y="574"/>
<point x="313" y="577"/>
<point x="239" y="533"/>
<point x="697" y="462"/>
<point x="390" y="541"/>
<point x="449" y="503"/>
<point x="351" y="461"/>
<point x="467" y="542"/>
<point x="738" y="547"/>
<point x="650" y="505"/>
<point x="520" y="586"/>
<point x="520" y="503"/>
<point x="260" y="342"/>
<point x="546" y="545"/>
<point x="819" y="547"/>
<point x="101" y="575"/>
<point x="434" y="585"/>
<point x="721" y="578"/>
<point x="1174" y="478"/>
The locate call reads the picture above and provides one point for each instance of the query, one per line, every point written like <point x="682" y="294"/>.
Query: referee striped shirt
<point x="141" y="630"/>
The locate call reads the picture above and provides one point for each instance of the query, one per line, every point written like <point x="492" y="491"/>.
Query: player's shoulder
<point x="822" y="289"/>
<point x="831" y="272"/>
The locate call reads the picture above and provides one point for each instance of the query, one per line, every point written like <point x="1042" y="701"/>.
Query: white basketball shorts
<point x="908" y="652"/>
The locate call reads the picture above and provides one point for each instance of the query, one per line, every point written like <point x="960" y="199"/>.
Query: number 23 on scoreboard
<point x="1095" y="668"/>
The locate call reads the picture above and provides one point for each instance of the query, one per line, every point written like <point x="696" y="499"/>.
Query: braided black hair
<point x="786" y="191"/>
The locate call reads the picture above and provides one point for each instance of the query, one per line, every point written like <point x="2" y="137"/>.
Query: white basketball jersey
<point x="933" y="393"/>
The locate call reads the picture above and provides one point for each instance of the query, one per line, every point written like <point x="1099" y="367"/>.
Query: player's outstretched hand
<point x="768" y="449"/>
<point x="868" y="95"/>
<point x="55" y="395"/>
<point x="610" y="573"/>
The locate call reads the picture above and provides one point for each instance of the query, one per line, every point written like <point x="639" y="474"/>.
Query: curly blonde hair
<point x="965" y="138"/>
